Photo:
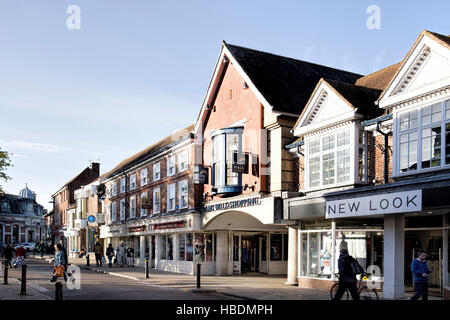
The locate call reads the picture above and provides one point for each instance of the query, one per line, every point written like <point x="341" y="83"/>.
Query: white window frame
<point x="171" y="166"/>
<point x="114" y="211"/>
<point x="114" y="189"/>
<point x="144" y="177"/>
<point x="122" y="210"/>
<point x="156" y="201"/>
<point x="133" y="182"/>
<point x="180" y="186"/>
<point x="123" y="185"/>
<point x="397" y="133"/>
<point x="144" y="212"/>
<point x="354" y="163"/>
<point x="157" y="170"/>
<point x="132" y="207"/>
<point x="170" y="187"/>
<point x="108" y="213"/>
<point x="183" y="161"/>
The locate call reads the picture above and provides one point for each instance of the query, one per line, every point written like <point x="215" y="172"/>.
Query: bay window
<point x="423" y="138"/>
<point x="227" y="147"/>
<point x="328" y="159"/>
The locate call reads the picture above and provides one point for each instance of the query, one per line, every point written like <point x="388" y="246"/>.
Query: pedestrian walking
<point x="421" y="275"/>
<point x="59" y="263"/>
<point x="121" y="254"/>
<point x="98" y="250"/>
<point x="130" y="256"/>
<point x="110" y="254"/>
<point x="42" y="249"/>
<point x="64" y="250"/>
<point x="8" y="254"/>
<point x="348" y="269"/>
<point x="21" y="255"/>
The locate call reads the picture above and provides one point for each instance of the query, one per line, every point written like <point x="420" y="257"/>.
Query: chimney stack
<point x="95" y="166"/>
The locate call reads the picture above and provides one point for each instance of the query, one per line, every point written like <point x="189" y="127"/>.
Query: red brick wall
<point x="242" y="104"/>
<point x="194" y="191"/>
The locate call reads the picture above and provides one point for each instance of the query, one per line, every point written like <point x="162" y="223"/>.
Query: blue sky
<point x="138" y="70"/>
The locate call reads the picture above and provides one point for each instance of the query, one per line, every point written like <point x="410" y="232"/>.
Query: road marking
<point x="39" y="287"/>
<point x="123" y="276"/>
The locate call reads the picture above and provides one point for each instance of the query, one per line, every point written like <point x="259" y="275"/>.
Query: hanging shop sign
<point x="145" y="203"/>
<point x="137" y="228"/>
<point x="200" y="174"/>
<point x="168" y="225"/>
<point x="248" y="202"/>
<point x="408" y="201"/>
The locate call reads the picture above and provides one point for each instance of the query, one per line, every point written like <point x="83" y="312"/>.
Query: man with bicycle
<point x="348" y="269"/>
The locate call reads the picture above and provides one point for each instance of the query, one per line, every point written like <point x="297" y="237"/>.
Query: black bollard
<point x="23" y="286"/>
<point x="87" y="261"/>
<point x="58" y="291"/>
<point x="198" y="275"/>
<point x="146" y="269"/>
<point x="5" y="272"/>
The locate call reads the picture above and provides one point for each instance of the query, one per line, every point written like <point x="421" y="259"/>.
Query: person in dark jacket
<point x="42" y="249"/>
<point x="110" y="254"/>
<point x="98" y="250"/>
<point x="8" y="254"/>
<point x="347" y="280"/>
<point x="421" y="274"/>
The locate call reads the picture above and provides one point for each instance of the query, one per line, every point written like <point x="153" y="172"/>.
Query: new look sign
<point x="408" y="201"/>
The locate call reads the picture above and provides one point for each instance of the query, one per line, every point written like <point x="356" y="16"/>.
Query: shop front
<point x="415" y="216"/>
<point x="247" y="239"/>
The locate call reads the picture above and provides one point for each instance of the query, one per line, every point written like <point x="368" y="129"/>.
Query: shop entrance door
<point x="249" y="254"/>
<point x="431" y="242"/>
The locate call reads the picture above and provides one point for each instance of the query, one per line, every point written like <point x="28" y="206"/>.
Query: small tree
<point x="5" y="162"/>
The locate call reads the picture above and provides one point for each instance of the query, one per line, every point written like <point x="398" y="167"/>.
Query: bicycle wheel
<point x="334" y="290"/>
<point x="368" y="294"/>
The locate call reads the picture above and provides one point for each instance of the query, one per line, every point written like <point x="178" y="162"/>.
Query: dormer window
<point x="227" y="145"/>
<point x="423" y="138"/>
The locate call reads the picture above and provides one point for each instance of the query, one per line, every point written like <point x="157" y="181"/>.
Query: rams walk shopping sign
<point x="408" y="201"/>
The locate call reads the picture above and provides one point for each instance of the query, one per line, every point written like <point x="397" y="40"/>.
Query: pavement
<point x="103" y="283"/>
<point x="251" y="286"/>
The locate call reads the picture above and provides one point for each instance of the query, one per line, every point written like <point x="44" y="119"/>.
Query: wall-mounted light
<point x="245" y="86"/>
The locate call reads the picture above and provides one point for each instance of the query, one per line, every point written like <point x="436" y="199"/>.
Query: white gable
<point x="426" y="69"/>
<point x="324" y="108"/>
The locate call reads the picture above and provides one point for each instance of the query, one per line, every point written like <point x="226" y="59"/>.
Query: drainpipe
<point x="386" y="152"/>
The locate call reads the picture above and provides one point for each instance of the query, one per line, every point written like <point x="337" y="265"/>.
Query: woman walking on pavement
<point x="58" y="261"/>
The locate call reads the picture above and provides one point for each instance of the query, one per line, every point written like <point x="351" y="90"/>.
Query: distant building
<point x="64" y="200"/>
<point x="21" y="218"/>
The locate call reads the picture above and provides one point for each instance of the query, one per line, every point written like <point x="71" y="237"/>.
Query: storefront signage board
<point x="168" y="225"/>
<point x="399" y="202"/>
<point x="233" y="204"/>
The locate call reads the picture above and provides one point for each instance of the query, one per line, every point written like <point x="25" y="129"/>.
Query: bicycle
<point x="365" y="293"/>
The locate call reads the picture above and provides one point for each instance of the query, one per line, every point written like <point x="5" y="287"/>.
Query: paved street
<point x="98" y="286"/>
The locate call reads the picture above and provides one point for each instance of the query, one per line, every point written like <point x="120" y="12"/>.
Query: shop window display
<point x="199" y="248"/>
<point x="182" y="247"/>
<point x="317" y="254"/>
<point x="189" y="247"/>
